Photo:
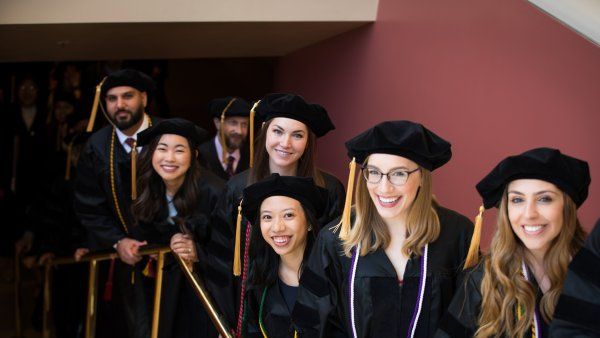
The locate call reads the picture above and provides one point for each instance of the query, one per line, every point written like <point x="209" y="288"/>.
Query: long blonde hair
<point x="502" y="290"/>
<point x="422" y="224"/>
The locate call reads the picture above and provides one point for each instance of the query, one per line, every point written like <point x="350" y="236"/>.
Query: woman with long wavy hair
<point x="176" y="199"/>
<point x="513" y="290"/>
<point x="286" y="145"/>
<point x="388" y="267"/>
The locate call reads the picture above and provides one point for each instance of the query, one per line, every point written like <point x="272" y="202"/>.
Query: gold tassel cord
<point x="94" y="112"/>
<point x="348" y="203"/>
<point x="237" y="264"/>
<point x="252" y="114"/>
<point x="222" y="137"/>
<point x="473" y="254"/>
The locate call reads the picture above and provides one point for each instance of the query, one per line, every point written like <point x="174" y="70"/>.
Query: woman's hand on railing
<point x="127" y="249"/>
<point x="184" y="247"/>
<point x="45" y="258"/>
<point x="80" y="252"/>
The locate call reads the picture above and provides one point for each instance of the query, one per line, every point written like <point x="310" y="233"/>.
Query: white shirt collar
<point x="236" y="154"/>
<point x="122" y="137"/>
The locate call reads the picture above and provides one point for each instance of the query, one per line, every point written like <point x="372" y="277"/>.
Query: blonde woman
<point x="389" y="269"/>
<point x="513" y="291"/>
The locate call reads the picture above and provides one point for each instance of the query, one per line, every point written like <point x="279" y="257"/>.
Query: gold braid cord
<point x="112" y="181"/>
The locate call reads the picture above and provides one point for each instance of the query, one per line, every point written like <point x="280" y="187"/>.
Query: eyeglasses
<point x="395" y="177"/>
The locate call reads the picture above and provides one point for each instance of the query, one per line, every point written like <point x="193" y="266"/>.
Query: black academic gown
<point x="181" y="312"/>
<point x="221" y="246"/>
<point x="276" y="314"/>
<point x="383" y="308"/>
<point x="577" y="313"/>
<point x="96" y="208"/>
<point x="462" y="315"/>
<point x="210" y="159"/>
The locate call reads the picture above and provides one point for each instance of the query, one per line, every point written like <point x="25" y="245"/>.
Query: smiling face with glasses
<point x="393" y="182"/>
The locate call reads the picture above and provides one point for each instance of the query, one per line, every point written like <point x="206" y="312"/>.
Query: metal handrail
<point x="93" y="259"/>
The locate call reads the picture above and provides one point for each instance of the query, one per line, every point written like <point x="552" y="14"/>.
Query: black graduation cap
<point x="403" y="138"/>
<point x="228" y="106"/>
<point x="130" y="78"/>
<point x="177" y="126"/>
<point x="295" y="107"/>
<point x="569" y="174"/>
<point x="302" y="189"/>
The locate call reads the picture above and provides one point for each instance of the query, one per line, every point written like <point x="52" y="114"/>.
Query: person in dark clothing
<point x="284" y="212"/>
<point x="576" y="314"/>
<point x="286" y="145"/>
<point x="390" y="265"/>
<point x="176" y="199"/>
<point x="104" y="191"/>
<point x="227" y="153"/>
<point x="513" y="290"/>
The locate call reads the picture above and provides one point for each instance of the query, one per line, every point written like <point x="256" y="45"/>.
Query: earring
<point x="309" y="227"/>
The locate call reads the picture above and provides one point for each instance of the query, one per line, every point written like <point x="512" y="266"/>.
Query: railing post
<point x="90" y="323"/>
<point x="17" y="291"/>
<point x="47" y="299"/>
<point x="157" y="293"/>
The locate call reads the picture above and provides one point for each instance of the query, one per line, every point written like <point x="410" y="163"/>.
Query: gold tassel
<point x="473" y="255"/>
<point x="348" y="203"/>
<point x="252" y="114"/>
<point x="237" y="263"/>
<point x="90" y="125"/>
<point x="133" y="171"/>
<point x="69" y="160"/>
<point x="222" y="137"/>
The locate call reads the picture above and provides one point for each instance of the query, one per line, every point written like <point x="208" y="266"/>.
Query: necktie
<point x="130" y="142"/>
<point x="229" y="169"/>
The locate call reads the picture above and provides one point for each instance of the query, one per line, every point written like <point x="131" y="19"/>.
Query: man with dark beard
<point x="230" y="115"/>
<point x="103" y="196"/>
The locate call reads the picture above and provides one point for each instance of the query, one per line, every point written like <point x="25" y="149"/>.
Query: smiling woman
<point x="514" y="290"/>
<point x="176" y="199"/>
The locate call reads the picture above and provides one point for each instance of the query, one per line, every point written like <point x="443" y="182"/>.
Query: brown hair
<point x="502" y="292"/>
<point x="422" y="224"/>
<point x="306" y="163"/>
<point x="152" y="188"/>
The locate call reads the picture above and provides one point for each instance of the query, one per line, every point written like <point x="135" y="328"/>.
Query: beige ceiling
<point x="41" y="30"/>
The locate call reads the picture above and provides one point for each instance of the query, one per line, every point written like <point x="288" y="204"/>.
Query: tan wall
<point x="112" y="11"/>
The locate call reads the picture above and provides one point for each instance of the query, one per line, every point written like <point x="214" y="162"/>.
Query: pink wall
<point x="492" y="77"/>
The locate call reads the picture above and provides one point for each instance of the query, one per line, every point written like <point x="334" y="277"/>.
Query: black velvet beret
<point x="177" y="126"/>
<point x="238" y="107"/>
<point x="569" y="174"/>
<point x="403" y="138"/>
<point x="295" y="107"/>
<point x="302" y="189"/>
<point x="130" y="78"/>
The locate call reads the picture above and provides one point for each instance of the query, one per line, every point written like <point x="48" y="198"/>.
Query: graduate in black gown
<point x="227" y="153"/>
<point x="576" y="313"/>
<point x="513" y="290"/>
<point x="176" y="199"/>
<point x="103" y="196"/>
<point x="389" y="266"/>
<point x="286" y="144"/>
<point x="284" y="212"/>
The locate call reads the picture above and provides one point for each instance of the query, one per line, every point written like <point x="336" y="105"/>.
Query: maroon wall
<point x="493" y="77"/>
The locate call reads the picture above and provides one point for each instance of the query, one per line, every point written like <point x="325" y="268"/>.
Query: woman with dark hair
<point x="389" y="266"/>
<point x="284" y="212"/>
<point x="514" y="289"/>
<point x="285" y="145"/>
<point x="176" y="199"/>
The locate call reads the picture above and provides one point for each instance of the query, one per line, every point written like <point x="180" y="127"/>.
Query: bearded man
<point x="230" y="116"/>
